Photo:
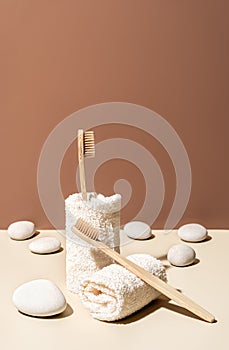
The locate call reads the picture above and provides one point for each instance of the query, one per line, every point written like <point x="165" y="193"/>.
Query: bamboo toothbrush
<point x="86" y="148"/>
<point x="89" y="234"/>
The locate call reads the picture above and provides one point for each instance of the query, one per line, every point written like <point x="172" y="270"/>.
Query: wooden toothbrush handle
<point x="149" y="278"/>
<point x="81" y="164"/>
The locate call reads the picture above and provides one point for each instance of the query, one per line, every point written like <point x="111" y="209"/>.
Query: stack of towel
<point x="108" y="290"/>
<point x="82" y="260"/>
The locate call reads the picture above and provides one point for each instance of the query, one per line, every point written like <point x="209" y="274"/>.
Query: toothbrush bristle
<point x="87" y="229"/>
<point x="89" y="144"/>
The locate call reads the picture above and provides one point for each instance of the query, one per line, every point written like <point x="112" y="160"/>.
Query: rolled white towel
<point x="113" y="292"/>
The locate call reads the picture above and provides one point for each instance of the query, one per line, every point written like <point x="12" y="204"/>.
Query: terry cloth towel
<point x="114" y="292"/>
<point x="82" y="260"/>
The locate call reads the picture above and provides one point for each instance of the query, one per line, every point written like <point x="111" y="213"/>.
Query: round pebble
<point x="20" y="230"/>
<point x="192" y="232"/>
<point x="45" y="245"/>
<point x="181" y="255"/>
<point x="39" y="298"/>
<point x="137" y="230"/>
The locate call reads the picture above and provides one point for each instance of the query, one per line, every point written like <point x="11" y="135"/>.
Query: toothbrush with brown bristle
<point x="89" y="234"/>
<point x="86" y="148"/>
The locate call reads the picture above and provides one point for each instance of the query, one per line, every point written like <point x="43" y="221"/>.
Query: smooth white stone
<point x="181" y="255"/>
<point x="20" y="230"/>
<point x="45" y="245"/>
<point x="192" y="232"/>
<point x="39" y="298"/>
<point x="137" y="230"/>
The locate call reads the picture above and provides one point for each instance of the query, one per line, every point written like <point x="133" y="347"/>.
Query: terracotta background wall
<point x="170" y="56"/>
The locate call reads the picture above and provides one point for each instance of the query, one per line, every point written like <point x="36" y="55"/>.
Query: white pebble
<point x="137" y="230"/>
<point x="181" y="255"/>
<point x="20" y="230"/>
<point x="45" y="245"/>
<point x="39" y="298"/>
<point x="192" y="232"/>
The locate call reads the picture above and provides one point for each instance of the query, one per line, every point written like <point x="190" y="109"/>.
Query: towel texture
<point x="114" y="293"/>
<point x="82" y="260"/>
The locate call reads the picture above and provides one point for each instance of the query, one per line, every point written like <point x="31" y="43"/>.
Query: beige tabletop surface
<point x="160" y="325"/>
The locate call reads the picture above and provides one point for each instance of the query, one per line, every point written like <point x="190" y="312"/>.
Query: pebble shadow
<point x="208" y="238"/>
<point x="66" y="313"/>
<point x="152" y="236"/>
<point x="195" y="262"/>
<point x="52" y="253"/>
<point x="36" y="233"/>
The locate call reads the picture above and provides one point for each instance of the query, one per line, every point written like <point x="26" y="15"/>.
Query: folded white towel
<point x="114" y="292"/>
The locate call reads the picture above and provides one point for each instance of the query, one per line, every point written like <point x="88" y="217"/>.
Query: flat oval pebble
<point x="20" y="230"/>
<point x="45" y="245"/>
<point x="137" y="230"/>
<point x="192" y="232"/>
<point x="181" y="255"/>
<point x="39" y="298"/>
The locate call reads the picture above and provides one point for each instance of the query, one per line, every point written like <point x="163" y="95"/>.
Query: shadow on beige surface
<point x="67" y="312"/>
<point x="167" y="265"/>
<point x="207" y="239"/>
<point x="60" y="250"/>
<point x="161" y="302"/>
